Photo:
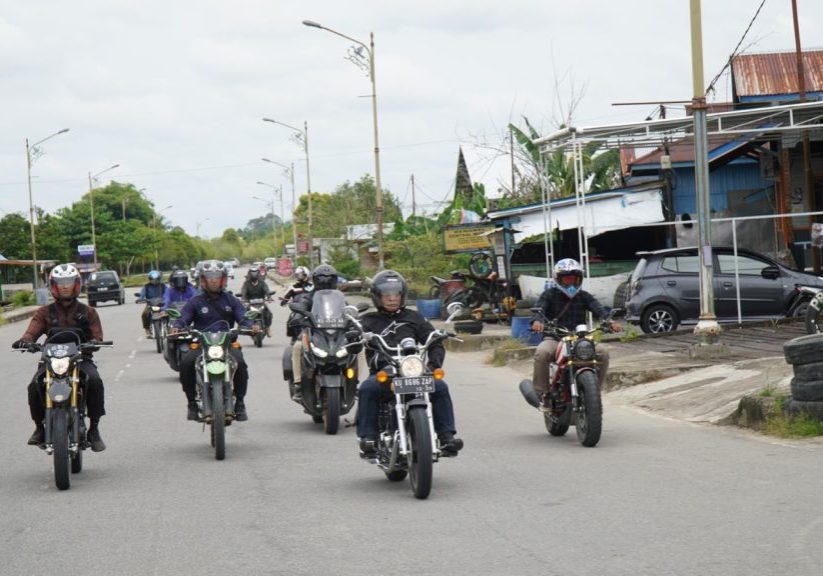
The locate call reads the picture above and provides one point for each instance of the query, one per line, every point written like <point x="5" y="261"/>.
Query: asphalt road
<point x="655" y="497"/>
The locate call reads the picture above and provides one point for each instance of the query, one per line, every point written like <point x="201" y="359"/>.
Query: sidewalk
<point x="18" y="314"/>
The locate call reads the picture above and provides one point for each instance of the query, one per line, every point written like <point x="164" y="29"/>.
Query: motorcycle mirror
<point x="362" y="306"/>
<point x="352" y="310"/>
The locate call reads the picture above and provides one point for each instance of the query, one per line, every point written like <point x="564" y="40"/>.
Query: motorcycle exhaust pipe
<point x="527" y="390"/>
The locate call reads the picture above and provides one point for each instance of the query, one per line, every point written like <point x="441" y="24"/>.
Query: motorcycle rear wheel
<point x="158" y="338"/>
<point x="218" y="421"/>
<point x="420" y="453"/>
<point x="258" y="340"/>
<point x="558" y="425"/>
<point x="397" y="475"/>
<point x="60" y="442"/>
<point x="331" y="410"/>
<point x="590" y="409"/>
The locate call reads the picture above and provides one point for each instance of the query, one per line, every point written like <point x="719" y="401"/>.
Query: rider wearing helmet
<point x="66" y="312"/>
<point x="213" y="306"/>
<point x="565" y="303"/>
<point x="394" y="322"/>
<point x="302" y="275"/>
<point x="253" y="288"/>
<point x="324" y="277"/>
<point x="152" y="289"/>
<point x="179" y="290"/>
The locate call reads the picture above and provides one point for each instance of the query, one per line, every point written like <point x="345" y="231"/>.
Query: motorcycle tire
<point x="77" y="462"/>
<point x="420" y="461"/>
<point x="331" y="411"/>
<point x="558" y="425"/>
<point x="813" y="320"/>
<point x="218" y="421"/>
<point x="158" y="340"/>
<point x="317" y="419"/>
<point x="804" y="349"/>
<point x="60" y="442"/>
<point x="258" y="340"/>
<point x="590" y="409"/>
<point x="396" y="475"/>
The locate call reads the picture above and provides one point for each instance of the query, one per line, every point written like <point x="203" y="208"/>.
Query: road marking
<point x="119" y="374"/>
<point x="132" y="354"/>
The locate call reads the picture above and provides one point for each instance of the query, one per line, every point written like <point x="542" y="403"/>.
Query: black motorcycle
<point x="176" y="344"/>
<point x="65" y="425"/>
<point x="257" y="307"/>
<point x="329" y="360"/>
<point x="159" y="321"/>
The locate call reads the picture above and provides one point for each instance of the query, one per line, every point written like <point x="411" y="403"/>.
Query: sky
<point x="174" y="91"/>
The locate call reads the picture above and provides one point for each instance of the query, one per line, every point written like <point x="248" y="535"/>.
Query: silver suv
<point x="664" y="289"/>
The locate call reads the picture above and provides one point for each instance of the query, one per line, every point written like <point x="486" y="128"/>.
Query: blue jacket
<point x="204" y="311"/>
<point x="175" y="295"/>
<point x="150" y="291"/>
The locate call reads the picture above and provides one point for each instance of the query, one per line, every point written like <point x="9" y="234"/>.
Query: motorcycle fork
<point x="74" y="442"/>
<point x="400" y="413"/>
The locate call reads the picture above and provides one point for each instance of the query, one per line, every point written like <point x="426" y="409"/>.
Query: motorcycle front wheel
<point x="420" y="453"/>
<point x="590" y="409"/>
<point x="218" y="421"/>
<point x="331" y="410"/>
<point x="60" y="442"/>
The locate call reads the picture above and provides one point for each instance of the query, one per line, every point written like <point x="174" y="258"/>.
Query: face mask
<point x="571" y="290"/>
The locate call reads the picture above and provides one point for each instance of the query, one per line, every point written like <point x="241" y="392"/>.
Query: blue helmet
<point x="154" y="277"/>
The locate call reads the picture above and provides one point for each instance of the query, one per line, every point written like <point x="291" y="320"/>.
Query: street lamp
<point x="275" y="190"/>
<point x="29" y="149"/>
<point x="356" y="57"/>
<point x="304" y="135"/>
<point x="290" y="171"/>
<point x="92" y="179"/>
<point x="154" y="227"/>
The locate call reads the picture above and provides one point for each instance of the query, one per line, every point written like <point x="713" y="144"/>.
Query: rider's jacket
<point x="253" y="290"/>
<point x="175" y="295"/>
<point x="569" y="312"/>
<point x="296" y="289"/>
<point x="204" y="310"/>
<point x="150" y="291"/>
<point x="56" y="315"/>
<point x="395" y="327"/>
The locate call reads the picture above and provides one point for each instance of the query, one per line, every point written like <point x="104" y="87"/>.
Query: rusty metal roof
<point x="776" y="73"/>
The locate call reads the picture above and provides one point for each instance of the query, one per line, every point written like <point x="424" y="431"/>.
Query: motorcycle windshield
<point x="328" y="309"/>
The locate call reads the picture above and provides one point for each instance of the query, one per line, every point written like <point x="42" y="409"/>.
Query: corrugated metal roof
<point x="776" y="73"/>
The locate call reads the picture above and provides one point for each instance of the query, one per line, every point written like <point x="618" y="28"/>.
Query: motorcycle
<point x="329" y="360"/>
<point x="407" y="444"/>
<point x="257" y="306"/>
<point x="159" y="321"/>
<point x="177" y="344"/>
<point x="215" y="374"/>
<point x="812" y="314"/>
<point x="486" y="297"/>
<point x="573" y="396"/>
<point x="65" y="425"/>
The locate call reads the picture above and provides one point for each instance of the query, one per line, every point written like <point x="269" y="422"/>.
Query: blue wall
<point x="741" y="174"/>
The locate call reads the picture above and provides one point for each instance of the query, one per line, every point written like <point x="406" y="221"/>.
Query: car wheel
<point x="659" y="318"/>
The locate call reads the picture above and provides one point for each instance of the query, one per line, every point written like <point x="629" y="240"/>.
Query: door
<point x="759" y="296"/>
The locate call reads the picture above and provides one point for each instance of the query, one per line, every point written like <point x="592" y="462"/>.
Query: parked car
<point x="234" y="262"/>
<point x="104" y="286"/>
<point x="230" y="268"/>
<point x="270" y="262"/>
<point x="664" y="289"/>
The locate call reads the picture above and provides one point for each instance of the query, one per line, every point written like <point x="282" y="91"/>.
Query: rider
<point x="302" y="285"/>
<point x="212" y="305"/>
<point x="394" y="322"/>
<point x="253" y="288"/>
<point x="566" y="304"/>
<point x="66" y="312"/>
<point x="152" y="289"/>
<point x="180" y="289"/>
<point x="324" y="278"/>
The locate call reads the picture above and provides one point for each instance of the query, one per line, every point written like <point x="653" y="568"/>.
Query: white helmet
<point x="63" y="275"/>
<point x="302" y="274"/>
<point x="568" y="267"/>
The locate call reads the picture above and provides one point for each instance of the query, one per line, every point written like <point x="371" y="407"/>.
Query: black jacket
<point x="394" y="328"/>
<point x="553" y="301"/>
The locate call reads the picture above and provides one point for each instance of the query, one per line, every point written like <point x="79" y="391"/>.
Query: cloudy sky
<point x="175" y="90"/>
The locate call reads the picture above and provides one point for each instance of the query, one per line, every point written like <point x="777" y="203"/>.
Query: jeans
<point x="371" y="393"/>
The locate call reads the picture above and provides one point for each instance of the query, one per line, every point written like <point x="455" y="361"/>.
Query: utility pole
<point x="414" y="202"/>
<point x="511" y="155"/>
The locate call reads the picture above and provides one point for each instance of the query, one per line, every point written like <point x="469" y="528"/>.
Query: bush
<point x="24" y="298"/>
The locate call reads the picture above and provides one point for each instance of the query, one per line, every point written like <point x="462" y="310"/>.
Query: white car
<point x="271" y="263"/>
<point x="229" y="268"/>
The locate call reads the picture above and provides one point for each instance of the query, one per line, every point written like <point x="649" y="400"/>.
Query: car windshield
<point x="97" y="276"/>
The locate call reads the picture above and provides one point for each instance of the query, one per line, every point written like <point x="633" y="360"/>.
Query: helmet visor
<point x="65" y="281"/>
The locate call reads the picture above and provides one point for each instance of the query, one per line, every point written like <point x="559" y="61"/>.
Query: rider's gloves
<point x="20" y="344"/>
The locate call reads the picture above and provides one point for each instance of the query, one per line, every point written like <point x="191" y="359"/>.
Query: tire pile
<point x="805" y="354"/>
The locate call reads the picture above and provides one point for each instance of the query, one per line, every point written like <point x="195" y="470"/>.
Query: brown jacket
<point x="66" y="318"/>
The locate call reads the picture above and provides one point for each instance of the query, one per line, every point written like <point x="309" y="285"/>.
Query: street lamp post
<point x="290" y="171"/>
<point x="304" y="134"/>
<point x="29" y="161"/>
<point x="275" y="191"/>
<point x="379" y="192"/>
<point x="92" y="179"/>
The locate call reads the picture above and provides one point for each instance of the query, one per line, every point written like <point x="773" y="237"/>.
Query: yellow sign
<point x="467" y="238"/>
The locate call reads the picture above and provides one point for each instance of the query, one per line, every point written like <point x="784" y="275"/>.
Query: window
<point x="681" y="264"/>
<point x="746" y="264"/>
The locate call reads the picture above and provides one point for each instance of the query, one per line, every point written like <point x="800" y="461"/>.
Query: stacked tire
<point x="805" y="354"/>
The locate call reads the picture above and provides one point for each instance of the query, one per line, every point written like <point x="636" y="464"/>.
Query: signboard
<point x="302" y="246"/>
<point x="85" y="249"/>
<point x="285" y="267"/>
<point x="467" y="238"/>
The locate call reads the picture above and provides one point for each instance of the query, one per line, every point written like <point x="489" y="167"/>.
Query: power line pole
<point x="414" y="202"/>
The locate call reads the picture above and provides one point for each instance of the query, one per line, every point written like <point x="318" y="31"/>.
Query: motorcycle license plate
<point x="413" y="385"/>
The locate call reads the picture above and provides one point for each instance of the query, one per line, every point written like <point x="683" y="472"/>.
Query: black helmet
<point x="253" y="274"/>
<point x="388" y="282"/>
<point x="179" y="279"/>
<point x="325" y="277"/>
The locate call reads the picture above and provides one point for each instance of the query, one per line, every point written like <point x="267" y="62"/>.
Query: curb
<point x="10" y="317"/>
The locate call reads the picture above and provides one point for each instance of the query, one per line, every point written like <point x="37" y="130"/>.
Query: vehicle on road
<point x="159" y="320"/>
<point x="270" y="263"/>
<point x="664" y="289"/>
<point x="105" y="286"/>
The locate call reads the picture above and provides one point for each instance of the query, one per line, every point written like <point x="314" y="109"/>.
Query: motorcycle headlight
<point x="584" y="350"/>
<point x="411" y="367"/>
<point x="155" y="308"/>
<point x="216" y="352"/>
<point x="60" y="365"/>
<point x="319" y="352"/>
<point x="342" y="353"/>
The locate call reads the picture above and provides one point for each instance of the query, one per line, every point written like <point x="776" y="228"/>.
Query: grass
<point x="768" y="392"/>
<point x="788" y="426"/>
<point x="630" y="334"/>
<point x="498" y="358"/>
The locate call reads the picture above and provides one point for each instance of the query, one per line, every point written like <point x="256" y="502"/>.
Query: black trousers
<point x="188" y="377"/>
<point x="90" y="382"/>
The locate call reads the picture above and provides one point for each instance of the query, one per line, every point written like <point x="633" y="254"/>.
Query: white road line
<point x="119" y="374"/>
<point x="132" y="354"/>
